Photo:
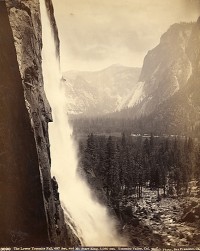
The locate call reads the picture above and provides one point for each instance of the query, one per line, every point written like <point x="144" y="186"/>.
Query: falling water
<point x="95" y="226"/>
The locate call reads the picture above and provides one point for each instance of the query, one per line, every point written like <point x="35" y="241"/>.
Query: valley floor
<point x="168" y="222"/>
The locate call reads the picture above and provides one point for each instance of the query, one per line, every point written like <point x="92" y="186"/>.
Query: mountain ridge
<point x="98" y="92"/>
<point x="162" y="74"/>
<point x="170" y="101"/>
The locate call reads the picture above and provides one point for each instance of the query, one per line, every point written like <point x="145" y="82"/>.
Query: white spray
<point x="95" y="226"/>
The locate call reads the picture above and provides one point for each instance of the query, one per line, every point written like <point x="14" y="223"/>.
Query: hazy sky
<point x="97" y="33"/>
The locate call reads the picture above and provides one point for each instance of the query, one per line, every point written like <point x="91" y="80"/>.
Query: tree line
<point x="109" y="124"/>
<point x="125" y="165"/>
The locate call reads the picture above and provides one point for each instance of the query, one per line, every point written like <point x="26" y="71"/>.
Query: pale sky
<point x="95" y="34"/>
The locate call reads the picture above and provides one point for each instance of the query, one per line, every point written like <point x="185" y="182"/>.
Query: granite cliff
<point x="166" y="70"/>
<point x="30" y="209"/>
<point x="166" y="98"/>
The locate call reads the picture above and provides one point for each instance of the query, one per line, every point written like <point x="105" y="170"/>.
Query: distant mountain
<point x="98" y="92"/>
<point x="167" y="95"/>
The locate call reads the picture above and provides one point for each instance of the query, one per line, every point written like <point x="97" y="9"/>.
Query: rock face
<point x="30" y="211"/>
<point x="21" y="200"/>
<point x="166" y="69"/>
<point x="168" y="87"/>
<point x="98" y="92"/>
<point x="180" y="113"/>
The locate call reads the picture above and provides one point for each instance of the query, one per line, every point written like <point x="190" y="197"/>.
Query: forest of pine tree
<point x="125" y="165"/>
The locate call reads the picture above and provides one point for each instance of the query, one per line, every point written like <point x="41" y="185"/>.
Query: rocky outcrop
<point x="166" y="98"/>
<point x="180" y="113"/>
<point x="166" y="69"/>
<point x="32" y="214"/>
<point x="22" y="211"/>
<point x="191" y="205"/>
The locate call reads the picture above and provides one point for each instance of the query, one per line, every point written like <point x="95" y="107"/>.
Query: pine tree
<point x="112" y="181"/>
<point x="90" y="156"/>
<point x="125" y="166"/>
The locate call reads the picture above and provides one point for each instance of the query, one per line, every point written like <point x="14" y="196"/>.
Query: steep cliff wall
<point x="166" y="100"/>
<point x="21" y="200"/>
<point x="30" y="211"/>
<point x="166" y="70"/>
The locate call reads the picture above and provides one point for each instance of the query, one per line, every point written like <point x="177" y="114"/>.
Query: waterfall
<point x="95" y="226"/>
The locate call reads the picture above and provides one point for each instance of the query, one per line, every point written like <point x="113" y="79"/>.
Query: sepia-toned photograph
<point x="100" y="125"/>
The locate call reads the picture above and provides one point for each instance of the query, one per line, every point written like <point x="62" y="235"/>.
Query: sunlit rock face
<point x="180" y="112"/>
<point x="166" y="69"/>
<point x="30" y="209"/>
<point x="166" y="98"/>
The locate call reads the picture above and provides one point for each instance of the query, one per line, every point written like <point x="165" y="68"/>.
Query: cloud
<point x="98" y="32"/>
